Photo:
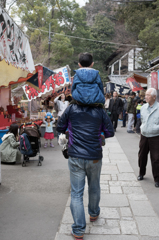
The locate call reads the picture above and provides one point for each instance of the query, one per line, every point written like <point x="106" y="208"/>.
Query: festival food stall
<point x="35" y="81"/>
<point x="15" y="62"/>
<point x="59" y="82"/>
<point x="56" y="84"/>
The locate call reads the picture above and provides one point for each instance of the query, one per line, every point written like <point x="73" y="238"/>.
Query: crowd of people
<point x="127" y="108"/>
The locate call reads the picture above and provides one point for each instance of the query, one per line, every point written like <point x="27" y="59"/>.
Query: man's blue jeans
<point x="79" y="169"/>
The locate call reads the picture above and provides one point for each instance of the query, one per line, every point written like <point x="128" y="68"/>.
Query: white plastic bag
<point x="62" y="139"/>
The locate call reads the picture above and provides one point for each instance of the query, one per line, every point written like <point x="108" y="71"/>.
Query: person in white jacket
<point x="61" y="106"/>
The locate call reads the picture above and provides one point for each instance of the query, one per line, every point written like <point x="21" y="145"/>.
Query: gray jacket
<point x="8" y="149"/>
<point x="150" y="120"/>
<point x="125" y="104"/>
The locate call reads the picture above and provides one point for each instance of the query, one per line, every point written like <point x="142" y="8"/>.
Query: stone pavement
<point x="126" y="213"/>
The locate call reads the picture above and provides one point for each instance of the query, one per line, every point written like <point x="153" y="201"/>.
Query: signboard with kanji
<point x="54" y="83"/>
<point x="121" y="90"/>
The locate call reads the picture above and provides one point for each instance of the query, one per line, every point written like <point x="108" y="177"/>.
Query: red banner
<point x="40" y="76"/>
<point x="154" y="80"/>
<point x="135" y="86"/>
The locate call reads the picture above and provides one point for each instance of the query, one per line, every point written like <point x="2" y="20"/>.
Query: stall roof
<point x="140" y="77"/>
<point x="15" y="55"/>
<point x="121" y="80"/>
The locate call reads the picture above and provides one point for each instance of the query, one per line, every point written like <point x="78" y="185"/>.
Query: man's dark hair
<point x="13" y="129"/>
<point x="140" y="101"/>
<point x="85" y="59"/>
<point x="132" y="94"/>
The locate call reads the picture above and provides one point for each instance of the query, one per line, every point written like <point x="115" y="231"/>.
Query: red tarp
<point x="135" y="86"/>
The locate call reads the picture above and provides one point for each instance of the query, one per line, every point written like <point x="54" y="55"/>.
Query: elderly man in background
<point x="149" y="141"/>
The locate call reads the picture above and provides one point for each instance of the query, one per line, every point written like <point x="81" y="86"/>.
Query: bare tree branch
<point x="11" y="5"/>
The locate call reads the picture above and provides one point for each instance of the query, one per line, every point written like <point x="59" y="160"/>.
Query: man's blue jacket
<point x="87" y="86"/>
<point x="85" y="125"/>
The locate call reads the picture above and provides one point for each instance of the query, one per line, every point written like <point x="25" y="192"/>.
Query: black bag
<point x="65" y="151"/>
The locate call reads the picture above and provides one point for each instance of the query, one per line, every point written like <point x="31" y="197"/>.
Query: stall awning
<point x="141" y="77"/>
<point x="121" y="80"/>
<point x="15" y="55"/>
<point x="38" y="79"/>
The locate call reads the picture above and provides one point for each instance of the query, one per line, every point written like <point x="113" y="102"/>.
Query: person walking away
<point x="130" y="112"/>
<point x="85" y="124"/>
<point x="115" y="107"/>
<point x="125" y="104"/>
<point x="87" y="87"/>
<point x="9" y="147"/>
<point x="149" y="141"/>
<point x="138" y="123"/>
<point x="49" y="133"/>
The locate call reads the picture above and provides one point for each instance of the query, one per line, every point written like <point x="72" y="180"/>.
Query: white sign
<point x="14" y="45"/>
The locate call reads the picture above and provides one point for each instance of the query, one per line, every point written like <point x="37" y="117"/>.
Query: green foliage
<point x="102" y="30"/>
<point x="142" y="20"/>
<point x="67" y="19"/>
<point x="36" y="16"/>
<point x="150" y="34"/>
<point x="134" y="15"/>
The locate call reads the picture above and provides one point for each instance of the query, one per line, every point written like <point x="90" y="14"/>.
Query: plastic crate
<point x="2" y="133"/>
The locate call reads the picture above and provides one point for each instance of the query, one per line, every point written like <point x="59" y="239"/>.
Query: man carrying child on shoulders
<point x="86" y="120"/>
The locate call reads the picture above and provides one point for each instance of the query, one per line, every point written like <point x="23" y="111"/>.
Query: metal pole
<point x="49" y="44"/>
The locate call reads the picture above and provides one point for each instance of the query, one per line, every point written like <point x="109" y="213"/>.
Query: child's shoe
<point x="51" y="145"/>
<point x="45" y="145"/>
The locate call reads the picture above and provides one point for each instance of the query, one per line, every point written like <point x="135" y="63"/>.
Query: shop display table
<point x="12" y="109"/>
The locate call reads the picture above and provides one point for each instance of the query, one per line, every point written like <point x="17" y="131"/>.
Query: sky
<point x="81" y="2"/>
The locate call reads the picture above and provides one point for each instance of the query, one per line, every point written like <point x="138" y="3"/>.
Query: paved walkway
<point x="126" y="213"/>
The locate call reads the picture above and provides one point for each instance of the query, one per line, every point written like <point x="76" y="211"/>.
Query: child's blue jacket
<point x="87" y="86"/>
